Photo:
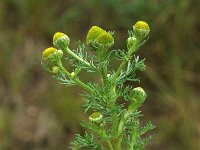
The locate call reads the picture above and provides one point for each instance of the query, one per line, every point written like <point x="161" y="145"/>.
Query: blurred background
<point x="37" y="113"/>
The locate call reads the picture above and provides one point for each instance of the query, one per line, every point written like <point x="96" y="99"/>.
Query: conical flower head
<point x="57" y="35"/>
<point x="141" y="29"/>
<point x="105" y="39"/>
<point x="141" y="25"/>
<point x="93" y="33"/>
<point x="61" y="40"/>
<point x="98" y="38"/>
<point x="48" y="52"/>
<point x="52" y="54"/>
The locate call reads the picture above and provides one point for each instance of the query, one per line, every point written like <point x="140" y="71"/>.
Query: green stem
<point x="75" y="79"/>
<point x="113" y="81"/>
<point x="131" y="50"/>
<point x="104" y="137"/>
<point x="120" y="127"/>
<point x="109" y="145"/>
<point x="132" y="142"/>
<point x="104" y="73"/>
<point x="103" y="64"/>
<point x="78" y="58"/>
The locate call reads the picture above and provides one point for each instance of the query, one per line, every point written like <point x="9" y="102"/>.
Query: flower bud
<point x="105" y="40"/>
<point x="72" y="74"/>
<point x="138" y="95"/>
<point x="131" y="41"/>
<point x="108" y="75"/>
<point x="98" y="38"/>
<point x="59" y="53"/>
<point x="141" y="29"/>
<point x="55" y="69"/>
<point x="93" y="33"/>
<point x="47" y="53"/>
<point x="96" y="117"/>
<point x="52" y="54"/>
<point x="61" y="40"/>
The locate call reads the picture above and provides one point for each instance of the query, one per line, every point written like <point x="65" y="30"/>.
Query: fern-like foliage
<point x="115" y="120"/>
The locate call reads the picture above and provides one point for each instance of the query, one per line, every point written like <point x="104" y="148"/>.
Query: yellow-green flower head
<point x="61" y="40"/>
<point x="48" y="52"/>
<point x="52" y="54"/>
<point x="141" y="29"/>
<point x="98" y="38"/>
<point x="96" y="117"/>
<point x="141" y="25"/>
<point x="57" y="35"/>
<point x="138" y="95"/>
<point x="93" y="33"/>
<point x="105" y="39"/>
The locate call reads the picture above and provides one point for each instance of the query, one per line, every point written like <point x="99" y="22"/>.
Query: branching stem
<point x="75" y="79"/>
<point x="121" y="124"/>
<point x="131" y="50"/>
<point x="70" y="52"/>
<point x="109" y="145"/>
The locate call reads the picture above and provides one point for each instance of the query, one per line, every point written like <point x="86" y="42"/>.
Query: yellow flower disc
<point x="93" y="33"/>
<point x="47" y="52"/>
<point x="141" y="25"/>
<point x="57" y="35"/>
<point x="105" y="38"/>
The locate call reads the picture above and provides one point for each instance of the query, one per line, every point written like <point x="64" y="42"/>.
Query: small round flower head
<point x="138" y="95"/>
<point x="96" y="117"/>
<point x="141" y="25"/>
<point x="93" y="33"/>
<point x="48" y="52"/>
<point x="141" y="29"/>
<point x="57" y="35"/>
<point x="98" y="38"/>
<point x="61" y="40"/>
<point x="55" y="69"/>
<point x="51" y="54"/>
<point x="105" y="39"/>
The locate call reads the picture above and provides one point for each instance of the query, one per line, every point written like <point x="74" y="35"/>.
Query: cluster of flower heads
<point x="99" y="40"/>
<point x="60" y="41"/>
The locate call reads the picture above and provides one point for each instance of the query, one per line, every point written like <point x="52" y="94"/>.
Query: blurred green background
<point x="36" y="113"/>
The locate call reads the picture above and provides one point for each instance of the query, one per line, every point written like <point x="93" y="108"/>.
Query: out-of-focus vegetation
<point x="38" y="113"/>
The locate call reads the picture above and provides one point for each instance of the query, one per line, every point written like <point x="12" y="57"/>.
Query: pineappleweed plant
<point x="113" y="123"/>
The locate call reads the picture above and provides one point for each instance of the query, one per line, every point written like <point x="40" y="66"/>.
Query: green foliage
<point x="171" y="80"/>
<point x="86" y="142"/>
<point x="113" y="124"/>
